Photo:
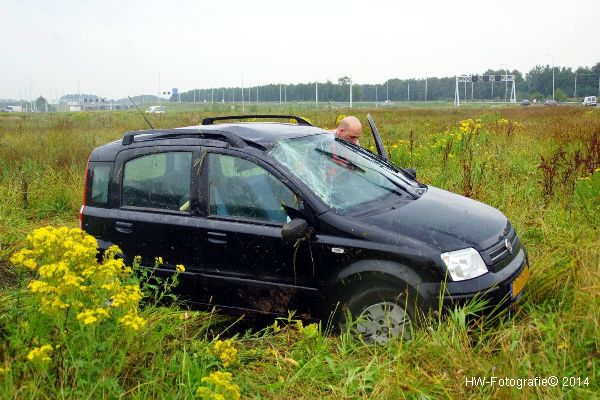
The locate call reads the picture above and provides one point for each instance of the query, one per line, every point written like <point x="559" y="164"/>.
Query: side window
<point x="240" y="188"/>
<point x="160" y="180"/>
<point x="98" y="180"/>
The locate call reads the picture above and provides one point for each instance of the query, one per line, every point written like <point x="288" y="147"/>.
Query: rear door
<point x="154" y="212"/>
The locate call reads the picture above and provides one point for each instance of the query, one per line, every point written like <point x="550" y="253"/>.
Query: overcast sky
<point x="116" y="48"/>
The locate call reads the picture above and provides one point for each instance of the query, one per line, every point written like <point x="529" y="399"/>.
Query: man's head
<point x="349" y="129"/>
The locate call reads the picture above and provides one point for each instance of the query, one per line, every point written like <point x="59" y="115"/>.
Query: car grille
<point x="498" y="256"/>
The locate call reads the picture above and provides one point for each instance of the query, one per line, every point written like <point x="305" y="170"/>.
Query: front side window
<point x="241" y="188"/>
<point x="160" y="180"/>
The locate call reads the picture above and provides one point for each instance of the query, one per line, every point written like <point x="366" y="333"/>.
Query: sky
<point x="119" y="48"/>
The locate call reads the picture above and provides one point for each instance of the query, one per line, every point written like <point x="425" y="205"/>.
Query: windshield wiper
<point x="388" y="164"/>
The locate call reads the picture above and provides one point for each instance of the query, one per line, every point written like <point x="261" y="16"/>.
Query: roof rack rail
<point x="231" y="138"/>
<point x="299" y="120"/>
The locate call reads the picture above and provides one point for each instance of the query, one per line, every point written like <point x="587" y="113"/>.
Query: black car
<point x="270" y="217"/>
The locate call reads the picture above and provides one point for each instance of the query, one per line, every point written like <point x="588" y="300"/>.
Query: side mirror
<point x="412" y="172"/>
<point x="294" y="230"/>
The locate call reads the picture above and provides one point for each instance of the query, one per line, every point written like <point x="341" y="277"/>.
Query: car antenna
<point x="151" y="127"/>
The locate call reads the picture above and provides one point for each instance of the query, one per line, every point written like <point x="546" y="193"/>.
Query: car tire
<point x="379" y="311"/>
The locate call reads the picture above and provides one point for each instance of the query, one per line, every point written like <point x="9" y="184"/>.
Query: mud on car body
<point x="269" y="217"/>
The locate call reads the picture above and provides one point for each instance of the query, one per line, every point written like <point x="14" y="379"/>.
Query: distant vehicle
<point x="525" y="102"/>
<point x="550" y="102"/>
<point x="387" y="103"/>
<point x="156" y="110"/>
<point x="590" y="101"/>
<point x="13" y="109"/>
<point x="73" y="106"/>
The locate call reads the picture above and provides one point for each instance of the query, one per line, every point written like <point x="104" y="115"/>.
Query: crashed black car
<point x="270" y="217"/>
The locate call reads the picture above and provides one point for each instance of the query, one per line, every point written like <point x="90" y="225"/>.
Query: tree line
<point x="537" y="83"/>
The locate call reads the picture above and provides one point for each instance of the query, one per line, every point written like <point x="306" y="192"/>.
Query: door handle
<point x="124" y="227"/>
<point x="217" y="237"/>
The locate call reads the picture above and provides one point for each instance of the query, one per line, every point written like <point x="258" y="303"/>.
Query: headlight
<point x="464" y="264"/>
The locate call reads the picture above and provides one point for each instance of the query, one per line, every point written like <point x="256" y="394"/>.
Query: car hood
<point x="444" y="220"/>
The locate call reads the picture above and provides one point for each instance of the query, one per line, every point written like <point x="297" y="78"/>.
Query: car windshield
<point x="342" y="175"/>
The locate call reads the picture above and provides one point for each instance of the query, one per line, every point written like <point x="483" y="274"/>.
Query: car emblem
<point x="508" y="246"/>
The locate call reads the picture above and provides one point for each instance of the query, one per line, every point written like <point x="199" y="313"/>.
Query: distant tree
<point x="537" y="83"/>
<point x="559" y="95"/>
<point x="41" y="104"/>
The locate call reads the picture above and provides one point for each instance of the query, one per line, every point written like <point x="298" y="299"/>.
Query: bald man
<point x="349" y="129"/>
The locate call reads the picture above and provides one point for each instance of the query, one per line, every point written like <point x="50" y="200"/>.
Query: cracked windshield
<point x="340" y="174"/>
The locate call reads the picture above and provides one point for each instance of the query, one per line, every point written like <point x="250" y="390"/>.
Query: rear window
<point x="98" y="184"/>
<point x="160" y="180"/>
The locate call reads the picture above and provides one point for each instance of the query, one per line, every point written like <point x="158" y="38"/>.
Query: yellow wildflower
<point x="132" y="321"/>
<point x="219" y="387"/>
<point x="39" y="287"/>
<point x="180" y="268"/>
<point x="3" y="370"/>
<point x="91" y="316"/>
<point x="69" y="276"/>
<point x="112" y="251"/>
<point x="101" y="312"/>
<point x="226" y="351"/>
<point x="40" y="354"/>
<point x="128" y="296"/>
<point x="87" y="317"/>
<point x="29" y="263"/>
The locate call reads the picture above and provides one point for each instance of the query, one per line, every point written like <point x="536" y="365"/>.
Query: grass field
<point x="539" y="166"/>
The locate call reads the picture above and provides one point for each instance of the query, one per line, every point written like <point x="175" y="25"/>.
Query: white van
<point x="590" y="101"/>
<point x="156" y="110"/>
<point x="14" y="108"/>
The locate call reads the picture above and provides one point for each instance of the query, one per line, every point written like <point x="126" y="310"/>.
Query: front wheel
<point x="380" y="312"/>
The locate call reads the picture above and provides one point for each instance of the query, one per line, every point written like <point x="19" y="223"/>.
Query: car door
<point x="154" y="212"/>
<point x="248" y="265"/>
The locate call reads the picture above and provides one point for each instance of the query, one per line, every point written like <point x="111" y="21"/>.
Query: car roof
<point x="264" y="134"/>
<point x="259" y="134"/>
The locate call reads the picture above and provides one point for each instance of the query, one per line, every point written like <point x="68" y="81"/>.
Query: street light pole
<point x="550" y="55"/>
<point x="552" y="77"/>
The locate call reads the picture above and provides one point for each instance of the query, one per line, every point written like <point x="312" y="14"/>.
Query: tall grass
<point x="537" y="165"/>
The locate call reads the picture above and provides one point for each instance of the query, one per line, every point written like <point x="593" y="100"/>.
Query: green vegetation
<point x="540" y="166"/>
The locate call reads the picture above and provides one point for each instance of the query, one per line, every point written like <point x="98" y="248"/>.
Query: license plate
<point x="519" y="283"/>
